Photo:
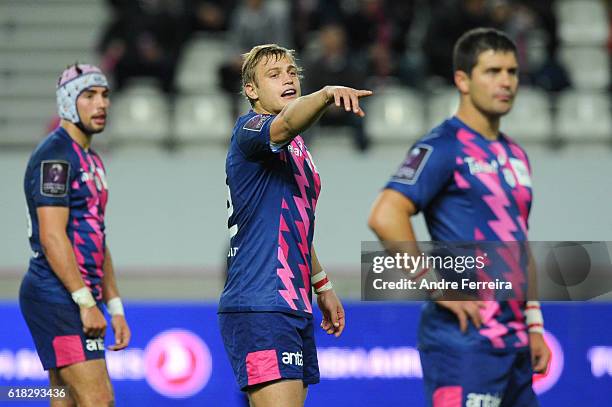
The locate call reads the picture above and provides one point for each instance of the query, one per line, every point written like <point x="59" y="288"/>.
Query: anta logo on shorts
<point x="293" y="358"/>
<point x="93" y="345"/>
<point x="482" y="400"/>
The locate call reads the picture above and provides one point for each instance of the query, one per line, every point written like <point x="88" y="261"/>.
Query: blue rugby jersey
<point x="273" y="192"/>
<point x="472" y="189"/>
<point x="61" y="173"/>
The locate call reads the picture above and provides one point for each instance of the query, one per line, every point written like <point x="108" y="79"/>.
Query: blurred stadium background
<point x="176" y="99"/>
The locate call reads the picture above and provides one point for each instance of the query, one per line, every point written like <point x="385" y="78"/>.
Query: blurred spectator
<point x="252" y="23"/>
<point x="333" y="65"/>
<point x="209" y="15"/>
<point x="448" y="22"/>
<point x="144" y="39"/>
<point x="524" y="20"/>
<point x="308" y="16"/>
<point x="377" y="32"/>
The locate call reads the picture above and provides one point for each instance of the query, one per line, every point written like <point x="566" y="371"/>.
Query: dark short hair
<point x="476" y="41"/>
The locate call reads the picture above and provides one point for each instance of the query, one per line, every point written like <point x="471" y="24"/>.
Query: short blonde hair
<point x="251" y="59"/>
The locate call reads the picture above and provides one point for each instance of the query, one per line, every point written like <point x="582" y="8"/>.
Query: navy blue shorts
<point x="268" y="346"/>
<point x="455" y="378"/>
<point x="57" y="331"/>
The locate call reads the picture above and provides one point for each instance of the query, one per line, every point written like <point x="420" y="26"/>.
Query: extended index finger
<point x="364" y="93"/>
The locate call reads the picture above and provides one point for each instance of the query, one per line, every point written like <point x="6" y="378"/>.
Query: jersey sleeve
<point x="425" y="171"/>
<point x="253" y="136"/>
<point x="51" y="175"/>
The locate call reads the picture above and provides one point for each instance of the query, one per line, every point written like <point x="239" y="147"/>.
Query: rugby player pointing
<point x="265" y="311"/>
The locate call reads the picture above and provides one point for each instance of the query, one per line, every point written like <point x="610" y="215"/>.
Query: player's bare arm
<point x="114" y="305"/>
<point x="540" y="352"/>
<point x="390" y="217"/>
<point x="304" y="111"/>
<point x="334" y="319"/>
<point x="58" y="251"/>
<point x="390" y="221"/>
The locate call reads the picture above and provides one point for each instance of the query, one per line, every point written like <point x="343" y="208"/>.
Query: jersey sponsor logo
<point x="98" y="176"/>
<point x="292" y="358"/>
<point x="482" y="400"/>
<point x="295" y="151"/>
<point x="29" y="218"/>
<point x="54" y="178"/>
<point x="410" y="170"/>
<point x="256" y="123"/>
<point x="93" y="345"/>
<point x="509" y="176"/>
<point x="100" y="179"/>
<point x="521" y="171"/>
<point x="481" y="167"/>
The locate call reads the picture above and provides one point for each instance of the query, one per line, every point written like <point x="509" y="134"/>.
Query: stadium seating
<point x="443" y="103"/>
<point x="582" y="22"/>
<point x="203" y="118"/>
<point x="584" y="116"/>
<point x="589" y="67"/>
<point x="198" y="68"/>
<point x="37" y="40"/>
<point x="530" y="119"/>
<point x="138" y="117"/>
<point x="53" y="12"/>
<point x="394" y="114"/>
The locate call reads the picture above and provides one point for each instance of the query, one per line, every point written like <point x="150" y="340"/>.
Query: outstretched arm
<point x="303" y="112"/>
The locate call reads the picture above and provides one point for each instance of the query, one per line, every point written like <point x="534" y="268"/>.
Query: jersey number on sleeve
<point x="29" y="222"/>
<point x="233" y="229"/>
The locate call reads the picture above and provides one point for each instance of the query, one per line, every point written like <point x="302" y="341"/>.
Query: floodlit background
<point x="175" y="98"/>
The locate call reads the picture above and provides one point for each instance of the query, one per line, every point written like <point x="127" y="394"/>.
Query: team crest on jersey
<point x="412" y="166"/>
<point x="256" y="123"/>
<point x="54" y="178"/>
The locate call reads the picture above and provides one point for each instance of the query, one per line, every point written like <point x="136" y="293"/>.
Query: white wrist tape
<point x="431" y="276"/>
<point x="533" y="317"/>
<point x="83" y="297"/>
<point x="320" y="282"/>
<point x="114" y="306"/>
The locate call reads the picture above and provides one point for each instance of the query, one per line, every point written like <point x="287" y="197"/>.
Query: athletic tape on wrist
<point x="114" y="306"/>
<point x="431" y="276"/>
<point x="320" y="282"/>
<point x="83" y="297"/>
<point x="533" y="317"/>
